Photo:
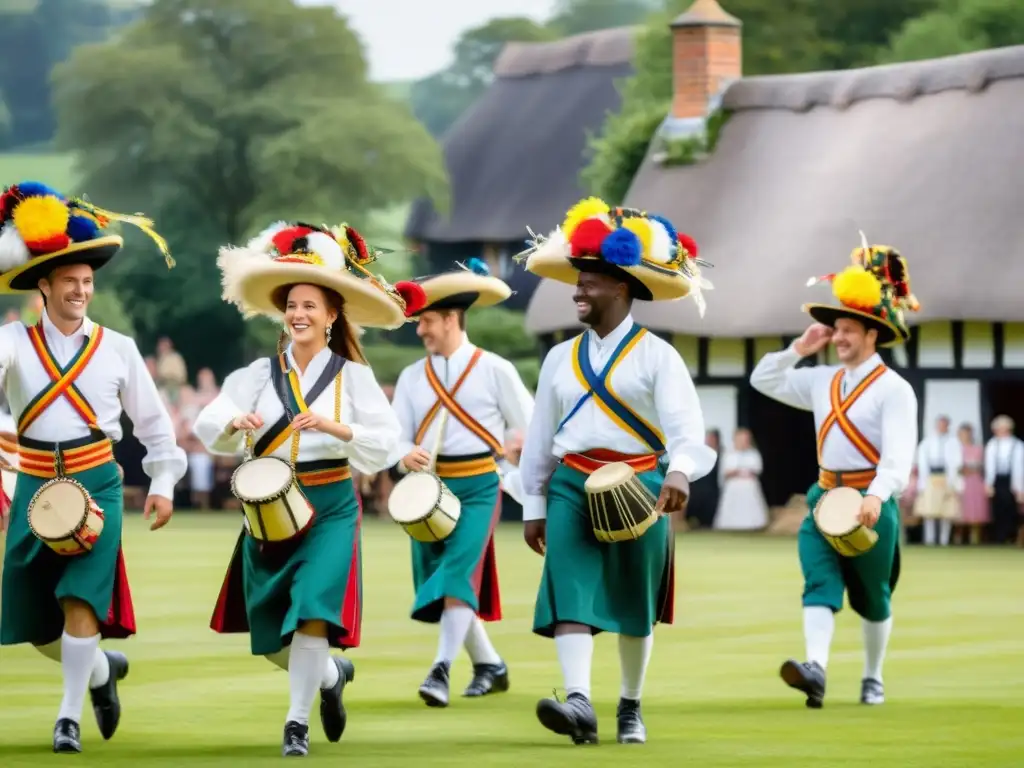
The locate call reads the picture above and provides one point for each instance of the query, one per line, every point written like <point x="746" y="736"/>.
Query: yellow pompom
<point x="642" y="229"/>
<point x="40" y="219"/>
<point x="857" y="288"/>
<point x="589" y="208"/>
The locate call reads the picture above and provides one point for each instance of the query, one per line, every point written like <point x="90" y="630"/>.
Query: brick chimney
<point x="706" y="54"/>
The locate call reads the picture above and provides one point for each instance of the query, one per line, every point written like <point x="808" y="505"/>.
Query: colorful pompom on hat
<point x="41" y="229"/>
<point x="874" y="289"/>
<point x="287" y="254"/>
<point x="658" y="262"/>
<point x="471" y="285"/>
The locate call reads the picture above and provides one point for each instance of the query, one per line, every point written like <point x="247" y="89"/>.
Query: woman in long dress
<point x="974" y="507"/>
<point x="742" y="506"/>
<point x="316" y="405"/>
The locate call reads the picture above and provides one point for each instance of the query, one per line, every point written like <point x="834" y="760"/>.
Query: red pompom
<point x="587" y="238"/>
<point x="688" y="243"/>
<point x="414" y="296"/>
<point x="362" y="254"/>
<point x="284" y="240"/>
<point x="52" y="244"/>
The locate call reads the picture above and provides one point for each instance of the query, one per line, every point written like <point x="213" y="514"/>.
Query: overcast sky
<point x="407" y="39"/>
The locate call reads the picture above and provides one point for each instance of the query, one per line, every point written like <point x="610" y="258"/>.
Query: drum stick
<point x="439" y="441"/>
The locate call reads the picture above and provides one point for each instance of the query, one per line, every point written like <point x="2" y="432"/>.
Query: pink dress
<point x="973" y="501"/>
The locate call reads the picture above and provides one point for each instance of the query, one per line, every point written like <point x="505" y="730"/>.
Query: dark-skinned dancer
<point x="614" y="393"/>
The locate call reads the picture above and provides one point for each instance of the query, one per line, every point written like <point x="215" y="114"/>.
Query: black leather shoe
<point x="434" y="690"/>
<point x="487" y="678"/>
<point x="105" y="702"/>
<point x="67" y="736"/>
<point x="809" y="678"/>
<point x="296" y="740"/>
<point x="631" y="728"/>
<point x="871" y="691"/>
<point x="574" y="718"/>
<point x="332" y="708"/>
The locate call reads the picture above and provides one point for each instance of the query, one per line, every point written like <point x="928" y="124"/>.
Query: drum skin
<point x="835" y="516"/>
<point x="63" y="516"/>
<point x="274" y="506"/>
<point x="424" y="506"/>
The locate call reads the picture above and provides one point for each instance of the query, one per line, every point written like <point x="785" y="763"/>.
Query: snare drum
<point x="621" y="508"/>
<point x="424" y="506"/>
<point x="64" y="516"/>
<point x="835" y="516"/>
<point x="274" y="505"/>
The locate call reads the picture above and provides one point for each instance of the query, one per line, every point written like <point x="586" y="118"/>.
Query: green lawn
<point x="955" y="676"/>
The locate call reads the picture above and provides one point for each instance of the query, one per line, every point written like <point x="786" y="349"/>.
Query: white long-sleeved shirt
<point x="115" y="381"/>
<point x="493" y="394"/>
<point x="1005" y="456"/>
<point x="364" y="409"/>
<point x="651" y="378"/>
<point x="886" y="414"/>
<point x="941" y="452"/>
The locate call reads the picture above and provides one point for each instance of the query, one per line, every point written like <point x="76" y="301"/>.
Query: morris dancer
<point x="866" y="419"/>
<point x="317" y="405"/>
<point x="615" y="393"/>
<point x="456" y="580"/>
<point x="68" y="380"/>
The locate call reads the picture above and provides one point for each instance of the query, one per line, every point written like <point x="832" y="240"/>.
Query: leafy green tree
<point x="958" y="26"/>
<point x="218" y="117"/>
<point x="571" y="17"/>
<point x="109" y="311"/>
<point x="440" y="99"/>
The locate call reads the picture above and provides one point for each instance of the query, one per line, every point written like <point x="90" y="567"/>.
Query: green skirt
<point x="463" y="566"/>
<point x="624" y="587"/>
<point x="271" y="590"/>
<point x="36" y="579"/>
<point x="869" y="579"/>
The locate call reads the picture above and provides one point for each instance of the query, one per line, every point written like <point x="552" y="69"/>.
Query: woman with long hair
<point x="317" y="405"/>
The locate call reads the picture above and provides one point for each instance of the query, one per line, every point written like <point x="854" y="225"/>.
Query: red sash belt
<point x="589" y="462"/>
<point x="856" y="478"/>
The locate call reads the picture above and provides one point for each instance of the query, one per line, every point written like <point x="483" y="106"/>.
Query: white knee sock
<point x="929" y="531"/>
<point x="945" y="529"/>
<point x="455" y="623"/>
<point x="876" y="640"/>
<point x="634" y="654"/>
<point x="478" y="644"/>
<point x="575" y="653"/>
<point x="305" y="671"/>
<point x="77" y="657"/>
<point x="330" y="676"/>
<point x="819" y="625"/>
<point x="101" y="664"/>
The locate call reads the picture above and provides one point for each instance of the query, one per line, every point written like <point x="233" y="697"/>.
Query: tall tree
<point x="958" y="26"/>
<point x="219" y="116"/>
<point x="439" y="100"/>
<point x="571" y="17"/>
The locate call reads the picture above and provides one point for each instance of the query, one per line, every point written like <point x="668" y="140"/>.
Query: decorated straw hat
<point x="286" y="254"/>
<point x="874" y="289"/>
<point x="658" y="262"/>
<point x="41" y="229"/>
<point x="471" y="285"/>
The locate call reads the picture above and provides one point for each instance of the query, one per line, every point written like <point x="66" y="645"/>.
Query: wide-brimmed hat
<point x="644" y="250"/>
<point x="874" y="289"/>
<point x="286" y="254"/>
<point x="470" y="285"/>
<point x="41" y="229"/>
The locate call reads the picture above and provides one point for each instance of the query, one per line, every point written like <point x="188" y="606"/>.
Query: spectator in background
<point x="742" y="506"/>
<point x="171" y="371"/>
<point x="970" y="484"/>
<point x="1004" y="479"/>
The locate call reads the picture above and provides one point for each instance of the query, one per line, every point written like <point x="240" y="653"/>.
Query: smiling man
<point x="68" y="380"/>
<point x="615" y="394"/>
<point x="456" y="580"/>
<point x="865" y="416"/>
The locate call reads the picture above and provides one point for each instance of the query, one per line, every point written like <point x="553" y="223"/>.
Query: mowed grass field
<point x="954" y="678"/>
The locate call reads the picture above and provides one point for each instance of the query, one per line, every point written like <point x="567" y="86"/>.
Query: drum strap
<point x="447" y="399"/>
<point x="599" y="387"/>
<point x="286" y="385"/>
<point x="62" y="379"/>
<point x="838" y="415"/>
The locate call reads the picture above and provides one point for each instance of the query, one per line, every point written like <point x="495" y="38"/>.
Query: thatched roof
<point x="921" y="156"/>
<point x="515" y="157"/>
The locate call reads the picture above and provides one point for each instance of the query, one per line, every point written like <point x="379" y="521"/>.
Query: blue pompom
<point x="478" y="266"/>
<point x="668" y="227"/>
<point x="82" y="228"/>
<point x="37" y="189"/>
<point x="622" y="248"/>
